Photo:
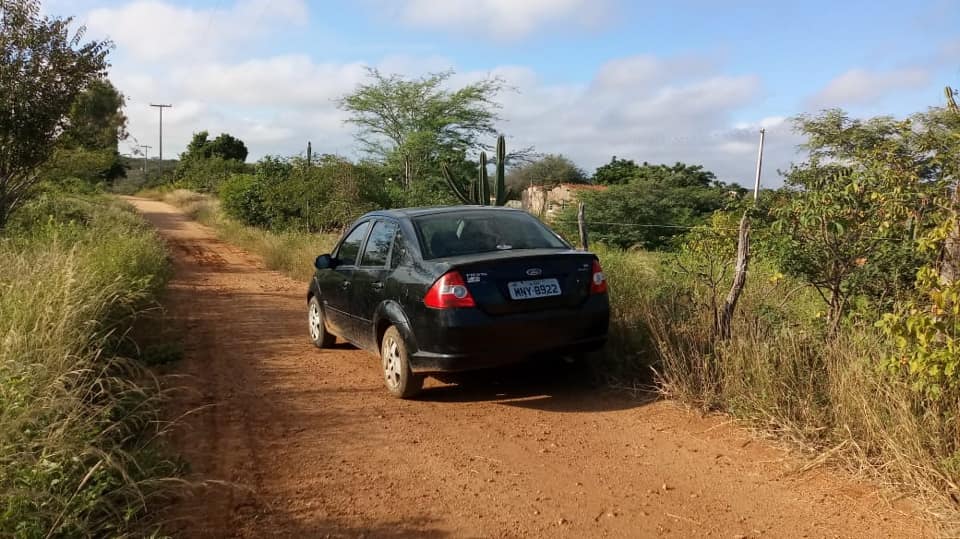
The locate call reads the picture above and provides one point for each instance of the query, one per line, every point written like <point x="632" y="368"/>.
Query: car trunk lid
<point x="516" y="282"/>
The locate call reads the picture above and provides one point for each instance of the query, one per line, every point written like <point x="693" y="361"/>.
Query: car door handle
<point x="346" y="284"/>
<point x="377" y="285"/>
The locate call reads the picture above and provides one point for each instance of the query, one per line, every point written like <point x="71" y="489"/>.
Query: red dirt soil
<point x="309" y="444"/>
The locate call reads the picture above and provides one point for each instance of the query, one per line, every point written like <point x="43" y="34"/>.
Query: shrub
<point x="291" y="195"/>
<point x="651" y="209"/>
<point x="244" y="197"/>
<point x="206" y="174"/>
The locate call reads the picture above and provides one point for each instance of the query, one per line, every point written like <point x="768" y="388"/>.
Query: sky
<point x="657" y="81"/>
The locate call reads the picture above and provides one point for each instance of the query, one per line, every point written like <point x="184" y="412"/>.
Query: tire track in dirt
<point x="319" y="449"/>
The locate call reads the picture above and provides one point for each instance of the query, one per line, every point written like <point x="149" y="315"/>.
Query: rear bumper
<point x="468" y="339"/>
<point x="428" y="362"/>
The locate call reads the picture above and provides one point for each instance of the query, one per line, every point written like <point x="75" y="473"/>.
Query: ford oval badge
<point x="534" y="272"/>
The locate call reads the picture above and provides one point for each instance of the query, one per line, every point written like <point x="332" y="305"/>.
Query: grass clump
<point x="77" y="423"/>
<point x="827" y="395"/>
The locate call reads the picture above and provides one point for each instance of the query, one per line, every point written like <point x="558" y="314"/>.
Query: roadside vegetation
<point x="80" y="423"/>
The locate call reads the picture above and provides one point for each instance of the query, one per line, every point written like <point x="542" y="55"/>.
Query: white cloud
<point x="646" y="108"/>
<point x="861" y="86"/>
<point x="151" y="30"/>
<point x="288" y="81"/>
<point x="502" y="19"/>
<point x="276" y="104"/>
<point x="643" y="107"/>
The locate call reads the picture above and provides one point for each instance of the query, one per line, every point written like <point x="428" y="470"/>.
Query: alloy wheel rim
<point x="315" y="321"/>
<point x="391" y="363"/>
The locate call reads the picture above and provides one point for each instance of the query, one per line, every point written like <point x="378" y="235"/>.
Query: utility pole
<point x="756" y="185"/>
<point x="161" y="107"/>
<point x="146" y="150"/>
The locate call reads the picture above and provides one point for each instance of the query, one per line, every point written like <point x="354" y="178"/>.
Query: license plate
<point x="541" y="288"/>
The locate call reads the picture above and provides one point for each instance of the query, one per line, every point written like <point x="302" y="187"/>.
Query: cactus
<point x="479" y="192"/>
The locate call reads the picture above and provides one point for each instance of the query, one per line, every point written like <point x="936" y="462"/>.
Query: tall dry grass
<point x="827" y="397"/>
<point x="78" y="425"/>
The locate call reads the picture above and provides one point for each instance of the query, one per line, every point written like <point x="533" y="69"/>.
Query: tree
<point x="225" y="146"/>
<point x="926" y="327"/>
<point x="617" y="171"/>
<point x="856" y="205"/>
<point x="549" y="171"/>
<point x="208" y="163"/>
<point x="677" y="175"/>
<point x="43" y="68"/>
<point x="416" y="124"/>
<point x="657" y="205"/>
<point x="96" y="120"/>
<point x="88" y="148"/>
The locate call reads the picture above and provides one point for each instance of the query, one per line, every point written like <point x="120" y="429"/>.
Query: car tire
<point x="401" y="382"/>
<point x="318" y="329"/>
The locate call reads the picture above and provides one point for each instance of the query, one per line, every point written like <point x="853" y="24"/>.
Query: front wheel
<point x="318" y="329"/>
<point x="400" y="380"/>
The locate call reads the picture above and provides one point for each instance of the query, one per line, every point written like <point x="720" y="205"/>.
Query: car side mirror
<point x="324" y="262"/>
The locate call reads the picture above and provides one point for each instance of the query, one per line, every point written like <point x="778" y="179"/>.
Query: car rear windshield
<point x="471" y="232"/>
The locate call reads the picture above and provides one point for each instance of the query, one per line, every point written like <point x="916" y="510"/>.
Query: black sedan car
<point x="439" y="290"/>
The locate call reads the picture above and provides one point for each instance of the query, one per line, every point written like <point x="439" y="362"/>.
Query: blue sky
<point x="657" y="81"/>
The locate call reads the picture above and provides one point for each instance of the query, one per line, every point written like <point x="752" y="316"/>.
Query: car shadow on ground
<point x="542" y="385"/>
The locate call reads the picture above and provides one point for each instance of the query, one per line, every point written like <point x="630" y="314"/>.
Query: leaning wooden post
<point x="582" y="226"/>
<point x="743" y="258"/>
<point x="739" y="278"/>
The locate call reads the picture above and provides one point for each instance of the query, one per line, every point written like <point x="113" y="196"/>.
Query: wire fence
<point x="591" y="225"/>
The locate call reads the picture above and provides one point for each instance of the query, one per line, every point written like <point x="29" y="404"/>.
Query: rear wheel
<point x="400" y="380"/>
<point x="318" y="331"/>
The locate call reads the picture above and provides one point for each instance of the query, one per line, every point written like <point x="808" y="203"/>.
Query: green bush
<point x="244" y="197"/>
<point x="292" y="195"/>
<point x="206" y="174"/>
<point x="75" y="420"/>
<point x="652" y="209"/>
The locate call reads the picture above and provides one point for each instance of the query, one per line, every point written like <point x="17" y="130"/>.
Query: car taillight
<point x="449" y="292"/>
<point x="598" y="283"/>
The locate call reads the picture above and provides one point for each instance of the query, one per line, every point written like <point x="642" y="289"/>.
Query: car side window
<point x="350" y="247"/>
<point x="399" y="250"/>
<point x="378" y="245"/>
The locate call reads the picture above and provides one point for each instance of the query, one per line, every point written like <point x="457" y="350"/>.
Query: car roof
<point x="406" y="213"/>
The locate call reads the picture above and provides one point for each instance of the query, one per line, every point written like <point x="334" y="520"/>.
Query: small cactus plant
<point x="479" y="193"/>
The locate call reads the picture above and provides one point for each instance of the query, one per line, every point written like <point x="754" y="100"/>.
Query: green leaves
<point x="548" y="171"/>
<point x="926" y="327"/>
<point x="43" y="68"/>
<point x="418" y="123"/>
<point x="653" y="207"/>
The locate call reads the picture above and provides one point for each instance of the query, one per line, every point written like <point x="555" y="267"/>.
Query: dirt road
<point x="318" y="449"/>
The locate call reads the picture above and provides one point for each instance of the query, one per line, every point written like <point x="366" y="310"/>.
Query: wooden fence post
<point x="582" y="225"/>
<point x="743" y="258"/>
<point x="739" y="278"/>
